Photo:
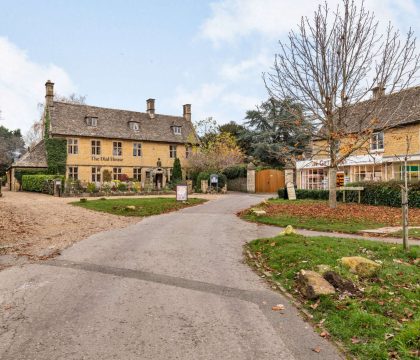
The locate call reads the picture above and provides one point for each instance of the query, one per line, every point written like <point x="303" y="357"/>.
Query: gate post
<point x="250" y="178"/>
<point x="289" y="174"/>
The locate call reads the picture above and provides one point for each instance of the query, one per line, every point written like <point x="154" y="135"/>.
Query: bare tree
<point x="331" y="64"/>
<point x="34" y="135"/>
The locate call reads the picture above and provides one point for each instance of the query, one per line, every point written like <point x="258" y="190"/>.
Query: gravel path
<point x="34" y="226"/>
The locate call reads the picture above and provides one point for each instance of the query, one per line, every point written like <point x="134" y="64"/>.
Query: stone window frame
<point x="73" y="146"/>
<point x="95" y="147"/>
<point x="137" y="173"/>
<point x="172" y="151"/>
<point x="116" y="173"/>
<point x="137" y="149"/>
<point x="117" y="148"/>
<point x="73" y="172"/>
<point x="96" y="174"/>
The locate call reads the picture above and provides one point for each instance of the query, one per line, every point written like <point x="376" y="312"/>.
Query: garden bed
<point x="382" y="322"/>
<point x="316" y="215"/>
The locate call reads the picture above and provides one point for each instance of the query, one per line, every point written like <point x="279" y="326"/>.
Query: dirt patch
<point x="345" y="212"/>
<point x="37" y="226"/>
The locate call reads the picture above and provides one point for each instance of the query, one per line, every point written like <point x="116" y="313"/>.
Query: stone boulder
<point x="259" y="212"/>
<point x="312" y="285"/>
<point x="130" y="207"/>
<point x="289" y="230"/>
<point x="340" y="283"/>
<point x="360" y="265"/>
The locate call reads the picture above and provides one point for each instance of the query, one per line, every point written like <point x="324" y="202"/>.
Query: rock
<point x="259" y="212"/>
<point x="130" y="207"/>
<point x="360" y="265"/>
<point x="323" y="268"/>
<point x="340" y="283"/>
<point x="289" y="230"/>
<point x="312" y="285"/>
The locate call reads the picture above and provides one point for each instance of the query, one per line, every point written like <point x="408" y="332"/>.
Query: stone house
<point x="396" y="125"/>
<point x="140" y="145"/>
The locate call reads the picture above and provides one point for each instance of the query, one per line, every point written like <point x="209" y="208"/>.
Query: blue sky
<point x="119" y="53"/>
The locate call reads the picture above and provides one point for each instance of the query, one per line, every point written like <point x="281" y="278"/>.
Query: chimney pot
<point x="151" y="107"/>
<point x="378" y="92"/>
<point x="187" y="111"/>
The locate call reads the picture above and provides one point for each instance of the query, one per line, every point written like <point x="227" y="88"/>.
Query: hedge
<point x="20" y="172"/>
<point x="234" y="172"/>
<point x="38" y="183"/>
<point x="386" y="193"/>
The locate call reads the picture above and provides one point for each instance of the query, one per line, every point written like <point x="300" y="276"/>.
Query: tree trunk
<point x="332" y="187"/>
<point x="404" y="200"/>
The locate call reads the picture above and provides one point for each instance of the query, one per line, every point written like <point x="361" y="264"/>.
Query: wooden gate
<point x="269" y="181"/>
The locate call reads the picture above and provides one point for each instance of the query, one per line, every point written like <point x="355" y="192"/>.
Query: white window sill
<point x="377" y="151"/>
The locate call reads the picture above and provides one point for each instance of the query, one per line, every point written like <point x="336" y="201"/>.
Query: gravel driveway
<point x="172" y="286"/>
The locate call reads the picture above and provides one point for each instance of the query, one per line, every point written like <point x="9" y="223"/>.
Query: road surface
<point x="172" y="286"/>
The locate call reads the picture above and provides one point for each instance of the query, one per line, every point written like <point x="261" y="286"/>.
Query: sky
<point x="118" y="53"/>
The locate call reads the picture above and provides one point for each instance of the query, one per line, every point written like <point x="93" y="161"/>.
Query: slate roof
<point x="34" y="158"/>
<point x="70" y="120"/>
<point x="400" y="108"/>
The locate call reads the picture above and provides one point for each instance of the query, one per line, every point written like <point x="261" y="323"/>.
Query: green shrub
<point x="234" y="172"/>
<point x="385" y="193"/>
<point x="122" y="186"/>
<point x="91" y="188"/>
<point x="282" y="193"/>
<point x="39" y="183"/>
<point x="20" y="172"/>
<point x="83" y="200"/>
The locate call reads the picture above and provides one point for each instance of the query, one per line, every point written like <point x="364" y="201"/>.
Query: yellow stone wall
<point x="151" y="151"/>
<point x="395" y="143"/>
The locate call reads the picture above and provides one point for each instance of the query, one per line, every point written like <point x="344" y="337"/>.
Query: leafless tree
<point x="34" y="134"/>
<point x="331" y="64"/>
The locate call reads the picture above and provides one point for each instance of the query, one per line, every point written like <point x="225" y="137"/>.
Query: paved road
<point x="170" y="287"/>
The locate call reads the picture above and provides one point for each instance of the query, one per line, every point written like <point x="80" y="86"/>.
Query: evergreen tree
<point x="176" y="171"/>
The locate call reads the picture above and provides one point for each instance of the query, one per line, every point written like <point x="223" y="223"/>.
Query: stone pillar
<point x="289" y="175"/>
<point x="250" y="178"/>
<point x="204" y="186"/>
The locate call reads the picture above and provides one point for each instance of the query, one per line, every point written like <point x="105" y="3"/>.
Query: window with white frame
<point x="172" y="151"/>
<point x="73" y="173"/>
<point x="176" y="130"/>
<point x="73" y="146"/>
<point x="116" y="173"/>
<point x="96" y="147"/>
<point x="137" y="174"/>
<point x="377" y="141"/>
<point x="412" y="172"/>
<point x="136" y="149"/>
<point x="91" y="121"/>
<point x="117" y="148"/>
<point x="96" y="174"/>
<point x="134" y="126"/>
<point x="314" y="179"/>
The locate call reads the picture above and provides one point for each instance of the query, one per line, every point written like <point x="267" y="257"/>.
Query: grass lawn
<point x="316" y="215"/>
<point x="412" y="233"/>
<point x="143" y="206"/>
<point x="383" y="322"/>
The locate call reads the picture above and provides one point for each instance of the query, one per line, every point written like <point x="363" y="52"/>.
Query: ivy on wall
<point x="56" y="149"/>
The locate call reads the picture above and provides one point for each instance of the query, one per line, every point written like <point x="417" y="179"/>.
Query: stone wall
<point x="238" y="184"/>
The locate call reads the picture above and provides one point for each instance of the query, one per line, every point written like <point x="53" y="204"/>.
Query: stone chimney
<point x="187" y="112"/>
<point x="151" y="107"/>
<point x="49" y="93"/>
<point x="378" y="92"/>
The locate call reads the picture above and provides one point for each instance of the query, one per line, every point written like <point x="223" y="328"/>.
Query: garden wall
<point x="238" y="184"/>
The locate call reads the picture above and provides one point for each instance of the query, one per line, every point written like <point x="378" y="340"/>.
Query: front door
<point x="158" y="181"/>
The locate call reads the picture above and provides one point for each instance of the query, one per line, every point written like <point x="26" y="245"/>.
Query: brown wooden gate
<point x="269" y="181"/>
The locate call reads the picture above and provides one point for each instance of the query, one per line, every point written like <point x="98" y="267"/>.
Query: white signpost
<point x="182" y="193"/>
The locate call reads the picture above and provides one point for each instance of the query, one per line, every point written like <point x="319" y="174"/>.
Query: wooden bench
<point x="359" y="189"/>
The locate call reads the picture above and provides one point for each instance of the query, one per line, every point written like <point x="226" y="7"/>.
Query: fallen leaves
<point x="317" y="349"/>
<point x="278" y="307"/>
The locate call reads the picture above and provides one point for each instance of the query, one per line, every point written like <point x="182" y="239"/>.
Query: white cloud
<point x="233" y="19"/>
<point x="249" y="67"/>
<point x="22" y="85"/>
<point x="241" y="102"/>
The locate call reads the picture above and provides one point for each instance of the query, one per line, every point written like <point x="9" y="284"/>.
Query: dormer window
<point x="135" y="126"/>
<point x="91" y="121"/>
<point x="176" y="130"/>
